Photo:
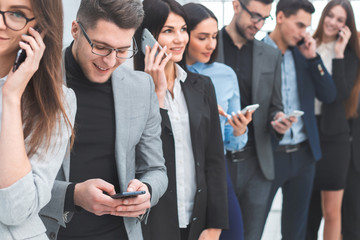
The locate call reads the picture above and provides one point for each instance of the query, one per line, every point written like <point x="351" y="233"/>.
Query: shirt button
<point x="194" y="219"/>
<point x="198" y="164"/>
<point x="199" y="190"/>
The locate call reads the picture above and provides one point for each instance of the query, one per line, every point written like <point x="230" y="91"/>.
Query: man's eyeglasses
<point x="255" y="17"/>
<point x="106" y="51"/>
<point x="15" y="20"/>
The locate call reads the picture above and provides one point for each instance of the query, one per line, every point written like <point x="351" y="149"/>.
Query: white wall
<point x="70" y="10"/>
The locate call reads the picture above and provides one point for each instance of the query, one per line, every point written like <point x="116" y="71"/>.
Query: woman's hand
<point x="16" y="82"/>
<point x="155" y="66"/>
<point x="210" y="234"/>
<point x="342" y="41"/>
<point x="239" y="122"/>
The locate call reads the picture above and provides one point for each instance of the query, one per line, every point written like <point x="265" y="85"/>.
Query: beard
<point x="241" y="31"/>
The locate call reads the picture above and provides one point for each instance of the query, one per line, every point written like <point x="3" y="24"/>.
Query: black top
<point x="241" y="61"/>
<point x="93" y="154"/>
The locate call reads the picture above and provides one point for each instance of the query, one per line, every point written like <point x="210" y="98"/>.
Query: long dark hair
<point x="156" y="14"/>
<point x="42" y="103"/>
<point x="197" y="13"/>
<point x="351" y="103"/>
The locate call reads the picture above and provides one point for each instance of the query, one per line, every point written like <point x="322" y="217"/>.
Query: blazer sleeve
<point x="217" y="207"/>
<point x="344" y="74"/>
<point x="150" y="163"/>
<point x="30" y="194"/>
<point x="325" y="89"/>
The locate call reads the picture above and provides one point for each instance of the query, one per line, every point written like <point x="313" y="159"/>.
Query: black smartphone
<point x="127" y="194"/>
<point x="21" y="55"/>
<point x="301" y="42"/>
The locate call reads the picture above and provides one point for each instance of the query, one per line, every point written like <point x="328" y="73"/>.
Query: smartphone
<point x="148" y="39"/>
<point x="301" y="42"/>
<point x="21" y="55"/>
<point x="249" y="108"/>
<point x="127" y="194"/>
<point x="295" y="113"/>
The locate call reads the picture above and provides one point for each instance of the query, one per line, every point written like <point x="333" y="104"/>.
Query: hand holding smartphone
<point x="127" y="194"/>
<point x="248" y="108"/>
<point x="21" y="54"/>
<point x="147" y="39"/>
<point x="295" y="113"/>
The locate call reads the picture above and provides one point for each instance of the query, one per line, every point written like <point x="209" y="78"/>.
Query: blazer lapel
<point x="121" y="101"/>
<point x="299" y="79"/>
<point x="257" y="61"/>
<point x="194" y="102"/>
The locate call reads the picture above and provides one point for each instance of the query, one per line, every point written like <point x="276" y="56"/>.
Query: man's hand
<point x="308" y="49"/>
<point x="89" y="195"/>
<point x="281" y="123"/>
<point x="210" y="234"/>
<point x="134" y="206"/>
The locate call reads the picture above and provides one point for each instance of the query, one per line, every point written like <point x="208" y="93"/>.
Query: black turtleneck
<point x="93" y="154"/>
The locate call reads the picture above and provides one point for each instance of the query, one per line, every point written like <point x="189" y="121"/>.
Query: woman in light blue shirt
<point x="200" y="55"/>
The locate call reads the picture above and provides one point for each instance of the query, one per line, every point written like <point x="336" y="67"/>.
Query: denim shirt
<point x="290" y="96"/>
<point x="227" y="96"/>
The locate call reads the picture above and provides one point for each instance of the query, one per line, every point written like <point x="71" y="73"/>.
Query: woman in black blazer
<point x="337" y="43"/>
<point x="195" y="203"/>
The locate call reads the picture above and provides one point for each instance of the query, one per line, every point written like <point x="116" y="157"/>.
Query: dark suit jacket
<point x="355" y="141"/>
<point x="333" y="118"/>
<point x="313" y="80"/>
<point x="210" y="206"/>
<point x="266" y="91"/>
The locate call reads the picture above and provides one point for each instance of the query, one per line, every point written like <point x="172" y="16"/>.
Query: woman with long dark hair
<point x="37" y="113"/>
<point x="195" y="203"/>
<point x="200" y="57"/>
<point x="338" y="45"/>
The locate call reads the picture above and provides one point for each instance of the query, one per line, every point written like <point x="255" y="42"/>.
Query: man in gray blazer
<point x="117" y="146"/>
<point x="258" y="68"/>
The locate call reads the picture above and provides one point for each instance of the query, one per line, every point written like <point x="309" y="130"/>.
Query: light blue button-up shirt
<point x="290" y="96"/>
<point x="227" y="96"/>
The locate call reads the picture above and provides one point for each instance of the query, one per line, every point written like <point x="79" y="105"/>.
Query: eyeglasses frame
<point x="255" y="17"/>
<point x="27" y="20"/>
<point x="109" y="48"/>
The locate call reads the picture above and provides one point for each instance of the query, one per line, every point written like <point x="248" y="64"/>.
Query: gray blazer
<point x="21" y="202"/>
<point x="266" y="91"/>
<point x="138" y="148"/>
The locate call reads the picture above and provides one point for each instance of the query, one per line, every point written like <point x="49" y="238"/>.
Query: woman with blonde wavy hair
<point x="36" y="114"/>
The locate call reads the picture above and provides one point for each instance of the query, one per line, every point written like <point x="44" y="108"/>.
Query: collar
<point x="197" y="67"/>
<point x="180" y="73"/>
<point x="3" y="80"/>
<point x="268" y="40"/>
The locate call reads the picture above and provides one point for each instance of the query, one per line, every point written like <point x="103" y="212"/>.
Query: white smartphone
<point x="295" y="113"/>
<point x="250" y="108"/>
<point x="147" y="39"/>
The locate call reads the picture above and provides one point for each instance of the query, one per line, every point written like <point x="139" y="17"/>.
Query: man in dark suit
<point x="257" y="66"/>
<point x="351" y="201"/>
<point x="304" y="77"/>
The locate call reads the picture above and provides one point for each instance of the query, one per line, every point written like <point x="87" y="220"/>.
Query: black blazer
<point x="210" y="206"/>
<point x="355" y="141"/>
<point x="333" y="118"/>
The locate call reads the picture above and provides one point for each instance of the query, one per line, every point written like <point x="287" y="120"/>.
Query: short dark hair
<point x="246" y="2"/>
<point x="196" y="13"/>
<point x="291" y="7"/>
<point x="156" y="14"/>
<point x="125" y="14"/>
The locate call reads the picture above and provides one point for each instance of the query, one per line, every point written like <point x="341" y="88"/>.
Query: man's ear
<point x="236" y="6"/>
<point x="280" y="17"/>
<point x="75" y="29"/>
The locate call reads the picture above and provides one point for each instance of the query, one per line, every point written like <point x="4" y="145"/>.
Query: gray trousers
<point x="252" y="190"/>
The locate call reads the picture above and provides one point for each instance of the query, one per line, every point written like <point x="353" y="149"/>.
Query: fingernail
<point x="126" y="202"/>
<point x="228" y="116"/>
<point x="239" y="112"/>
<point x="233" y="113"/>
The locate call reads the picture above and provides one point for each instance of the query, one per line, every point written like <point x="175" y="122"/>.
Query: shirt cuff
<point x="69" y="204"/>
